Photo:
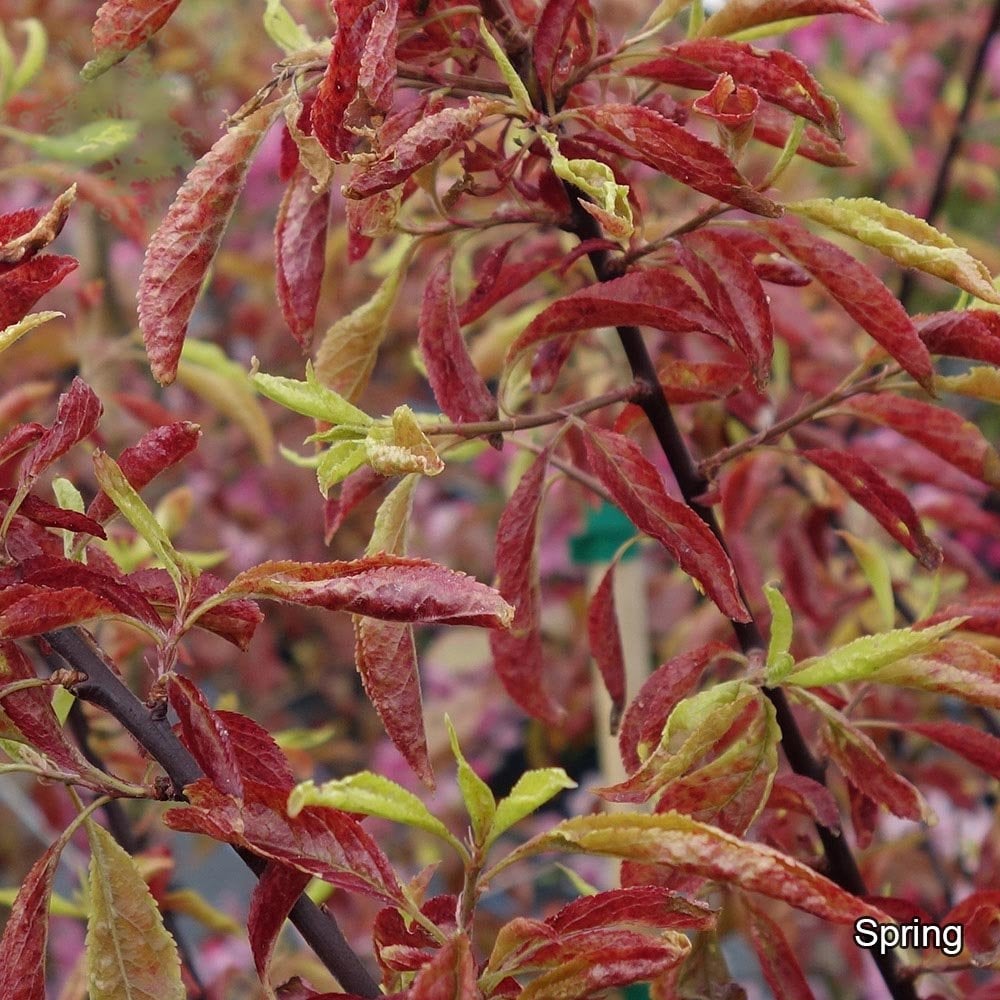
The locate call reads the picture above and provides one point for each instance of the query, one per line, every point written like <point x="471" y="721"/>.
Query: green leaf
<point x="310" y="398"/>
<point x="770" y="30"/>
<point x="402" y="447"/>
<point x="860" y="659"/>
<point x="282" y="29"/>
<point x="92" y="143"/>
<point x="597" y="180"/>
<point x="112" y="480"/>
<point x="531" y="791"/>
<point x="979" y="382"/>
<point x="338" y="462"/>
<point x="15" y="76"/>
<point x="59" y="906"/>
<point x="904" y="238"/>
<point x="348" y="351"/>
<point x="371" y="795"/>
<point x="13" y="333"/>
<point x="205" y="370"/>
<point x="873" y="564"/>
<point x="69" y="498"/>
<point x="479" y="800"/>
<point x="779" y="662"/>
<point x="130" y="954"/>
<point x="393" y="519"/>
<point x="510" y="75"/>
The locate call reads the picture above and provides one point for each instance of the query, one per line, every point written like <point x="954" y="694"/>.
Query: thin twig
<point x="942" y="180"/>
<point x="485" y="428"/>
<point x="106" y="689"/>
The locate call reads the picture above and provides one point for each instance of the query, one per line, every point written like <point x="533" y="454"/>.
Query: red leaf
<point x="25" y="284"/>
<point x="646" y="906"/>
<point x="157" y="450"/>
<point x="450" y="975"/>
<point x="458" y="387"/>
<point x="235" y="621"/>
<point x="864" y="298"/>
<point x="495" y="280"/>
<point x="320" y="841"/>
<point x="638" y="489"/>
<point x="205" y="735"/>
<point x="77" y="414"/>
<point x="124" y="25"/>
<point x="17" y="439"/>
<point x="773" y="126"/>
<point x="418" y="146"/>
<point x="697" y="381"/>
<point x="49" y="516"/>
<point x="377" y="71"/>
<point x="15" y="224"/>
<point x="354" y="489"/>
<point x="973" y="334"/>
<point x="393" y="588"/>
<point x="647" y="713"/>
<point x="777" y="958"/>
<point x="184" y="245"/>
<point x="862" y="764"/>
<point x="22" y="972"/>
<point x="339" y="86"/>
<point x="387" y="661"/>
<point x="800" y="794"/>
<point x="517" y="653"/>
<point x="959" y="442"/>
<point x="666" y="146"/>
<point x="553" y="26"/>
<point x="889" y="506"/>
<point x="259" y="758"/>
<point x="606" y="642"/>
<point x="273" y="897"/>
<point x="977" y="747"/>
<point x="406" y="946"/>
<point x="776" y="75"/>
<point x="56" y="573"/>
<point x="654" y="297"/>
<point x="300" y="253"/>
<point x="734" y="291"/>
<point x="34" y="610"/>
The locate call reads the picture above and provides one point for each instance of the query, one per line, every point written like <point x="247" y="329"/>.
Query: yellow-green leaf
<point x="510" y="75"/>
<point x="597" y="180"/>
<point x="13" y="333"/>
<point x="338" y="462"/>
<point x="283" y="30"/>
<point x="371" y="795"/>
<point x="904" y="238"/>
<point x="531" y="791"/>
<point x="979" y="382"/>
<point x="393" y="519"/>
<point x="92" y="143"/>
<point x="205" y="370"/>
<point x="402" y="447"/>
<point x="112" y="480"/>
<point x="15" y="76"/>
<point x="479" y="801"/>
<point x="347" y="353"/>
<point x="860" y="659"/>
<point x="779" y="662"/>
<point x="874" y="565"/>
<point x="310" y="398"/>
<point x="130" y="954"/>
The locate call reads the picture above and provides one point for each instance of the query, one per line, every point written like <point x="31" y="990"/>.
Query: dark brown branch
<point x="106" y="689"/>
<point x="841" y="866"/>
<point x="942" y="180"/>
